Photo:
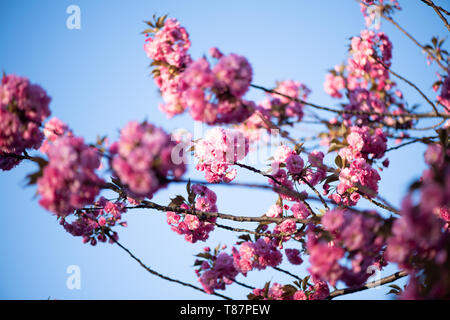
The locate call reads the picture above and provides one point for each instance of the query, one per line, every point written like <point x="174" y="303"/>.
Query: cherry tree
<point x="343" y="243"/>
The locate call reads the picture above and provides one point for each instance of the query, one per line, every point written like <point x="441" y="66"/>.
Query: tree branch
<point x="368" y="285"/>
<point x="438" y="11"/>
<point x="357" y="112"/>
<point x="153" y="272"/>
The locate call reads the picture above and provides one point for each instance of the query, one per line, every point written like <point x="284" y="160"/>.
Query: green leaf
<point x="147" y="31"/>
<point x="393" y="291"/>
<point x="177" y="201"/>
<point x="305" y="282"/>
<point x="204" y="255"/>
<point x="289" y="290"/>
<point x="334" y="147"/>
<point x="252" y="296"/>
<point x="332" y="178"/>
<point x="394" y="286"/>
<point x="198" y="263"/>
<point x="32" y="178"/>
<point x="351" y="190"/>
<point x="434" y="41"/>
<point x="266" y="290"/>
<point x="338" y="161"/>
<point x="245" y="237"/>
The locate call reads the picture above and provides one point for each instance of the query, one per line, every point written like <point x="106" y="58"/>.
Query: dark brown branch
<point x="259" y="234"/>
<point x="281" y="188"/>
<point x="438" y="11"/>
<point x="357" y="112"/>
<point x="145" y="204"/>
<point x="368" y="285"/>
<point x="379" y="204"/>
<point x="409" y="83"/>
<point x="316" y="192"/>
<point x="243" y="284"/>
<point x="408" y="143"/>
<point x="410" y="37"/>
<point x="288" y="273"/>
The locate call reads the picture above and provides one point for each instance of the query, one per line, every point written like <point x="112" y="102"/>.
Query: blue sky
<point x="98" y="80"/>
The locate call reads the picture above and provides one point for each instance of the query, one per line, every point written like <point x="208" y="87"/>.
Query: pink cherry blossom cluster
<point x="358" y="178"/>
<point x="258" y="255"/>
<point x="364" y="49"/>
<point x="334" y="83"/>
<point x="53" y="129"/>
<point x="318" y="291"/>
<point x="420" y="238"/>
<point x="313" y="172"/>
<point x="217" y="272"/>
<point x="23" y="108"/>
<point x="373" y="14"/>
<point x="281" y="106"/>
<point x="214" y="95"/>
<point x="354" y="237"/>
<point x="195" y="228"/>
<point x="168" y="48"/>
<point x="169" y="44"/>
<point x="91" y="224"/>
<point x="367" y="80"/>
<point x="69" y="181"/>
<point x="364" y="142"/>
<point x="218" y="151"/>
<point x="142" y="159"/>
<point x="316" y="170"/>
<point x="275" y="107"/>
<point x="298" y="209"/>
<point x="220" y="269"/>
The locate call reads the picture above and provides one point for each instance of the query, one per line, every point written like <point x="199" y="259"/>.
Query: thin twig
<point x="438" y="11"/>
<point x="409" y="83"/>
<point x="379" y="204"/>
<point x="288" y="273"/>
<point x="161" y="275"/>
<point x="368" y="285"/>
<point x="357" y="112"/>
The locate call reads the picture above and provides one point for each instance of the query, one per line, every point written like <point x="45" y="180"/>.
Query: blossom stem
<point x="368" y="285"/>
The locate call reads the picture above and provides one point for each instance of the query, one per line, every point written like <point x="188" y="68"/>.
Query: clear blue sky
<point x="98" y="80"/>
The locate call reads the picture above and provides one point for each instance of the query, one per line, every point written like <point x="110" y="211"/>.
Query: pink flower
<point x="293" y="256"/>
<point x="233" y="74"/>
<point x="275" y="211"/>
<point x="294" y="164"/>
<point x="215" y="53"/>
<point x="69" y="181"/>
<point x="23" y="108"/>
<point x="192" y="222"/>
<point x="333" y="84"/>
<point x="333" y="220"/>
<point x="191" y="226"/>
<point x="300" y="210"/>
<point x="300" y="295"/>
<point x="282" y="153"/>
<point x="198" y="74"/>
<point x="222" y="273"/>
<point x="288" y="226"/>
<point x="218" y="151"/>
<point x="169" y="44"/>
<point x="142" y="159"/>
